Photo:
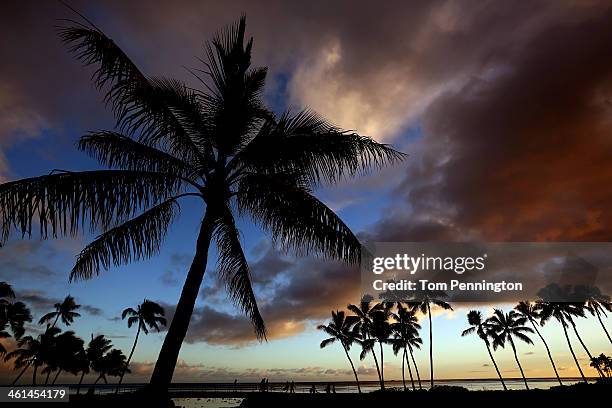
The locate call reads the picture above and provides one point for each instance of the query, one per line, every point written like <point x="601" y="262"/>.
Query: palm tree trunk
<point x="377" y="366"/>
<point x="569" y="343"/>
<point x="409" y="369"/>
<point x="403" y="372"/>
<point x="547" y="350"/>
<point x="80" y="382"/>
<point x="585" y="347"/>
<point x="518" y="363"/>
<point x="166" y="362"/>
<point x="431" y="370"/>
<point x="56" y="375"/>
<point x="603" y="326"/>
<point x="47" y="378"/>
<point x="382" y="367"/>
<point x="20" y="374"/>
<point x="496" y="368"/>
<point x="416" y="368"/>
<point x="56" y="319"/>
<point x="353" y="367"/>
<point x="127" y="363"/>
<point x="34" y="375"/>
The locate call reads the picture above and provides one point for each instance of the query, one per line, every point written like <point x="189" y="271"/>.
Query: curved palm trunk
<point x="20" y="374"/>
<point x="127" y="363"/>
<point x="166" y="362"/>
<point x="416" y="368"/>
<point x="569" y="343"/>
<point x="382" y="367"/>
<point x="80" y="382"/>
<point x="585" y="347"/>
<point x="47" y="378"/>
<point x="34" y="374"/>
<point x="403" y="373"/>
<point x="495" y="365"/>
<point x="56" y="375"/>
<point x="518" y="363"/>
<point x="603" y="326"/>
<point x="353" y="367"/>
<point x="56" y="319"/>
<point x="547" y="350"/>
<point x="409" y="369"/>
<point x="377" y="367"/>
<point x="431" y="370"/>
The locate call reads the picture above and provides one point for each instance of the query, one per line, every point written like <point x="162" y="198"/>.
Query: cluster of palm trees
<point x="53" y="351"/>
<point x="375" y="324"/>
<point x="395" y="323"/>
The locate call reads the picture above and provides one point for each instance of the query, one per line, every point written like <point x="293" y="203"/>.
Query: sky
<point x="503" y="108"/>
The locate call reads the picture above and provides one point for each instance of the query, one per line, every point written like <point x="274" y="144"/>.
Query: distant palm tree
<point x="406" y="336"/>
<point x="422" y="301"/>
<point x="364" y="312"/>
<point x="531" y="312"/>
<point x="94" y="353"/>
<point x="34" y="352"/>
<point x="380" y="330"/>
<point x="482" y="329"/>
<point x="64" y="310"/>
<point x="341" y="328"/>
<point x="596" y="303"/>
<point x="219" y="145"/>
<point x="505" y="327"/>
<point x="148" y="315"/>
<point x="64" y="355"/>
<point x="13" y="315"/>
<point x="603" y="364"/>
<point x="561" y="312"/>
<point x="111" y="364"/>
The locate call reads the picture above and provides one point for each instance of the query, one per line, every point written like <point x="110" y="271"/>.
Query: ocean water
<point x="369" y="386"/>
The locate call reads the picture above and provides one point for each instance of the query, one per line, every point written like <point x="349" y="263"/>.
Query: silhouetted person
<point x="313" y="390"/>
<point x="286" y="387"/>
<point x="292" y="387"/>
<point x="262" y="385"/>
<point x="267" y="386"/>
<point x="235" y="383"/>
<point x="328" y="389"/>
<point x="334" y="388"/>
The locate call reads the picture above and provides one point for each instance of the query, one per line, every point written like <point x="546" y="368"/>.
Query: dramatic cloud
<point x="40" y="302"/>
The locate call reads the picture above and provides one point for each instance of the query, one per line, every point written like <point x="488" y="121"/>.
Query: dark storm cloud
<point x="40" y="302"/>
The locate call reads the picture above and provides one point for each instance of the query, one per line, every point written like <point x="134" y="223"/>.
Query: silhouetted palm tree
<point x="111" y="364"/>
<point x="364" y="327"/>
<point x="380" y="330"/>
<point x="422" y="301"/>
<point x="148" y="315"/>
<point x="603" y="364"/>
<point x="482" y="329"/>
<point x="561" y="312"/>
<point x="34" y="352"/>
<point x="64" y="310"/>
<point x="63" y="355"/>
<point x="406" y="336"/>
<point x="341" y="328"/>
<point x="13" y="315"/>
<point x="505" y="327"/>
<point x="94" y="353"/>
<point x="219" y="145"/>
<point x="531" y="312"/>
<point x="596" y="303"/>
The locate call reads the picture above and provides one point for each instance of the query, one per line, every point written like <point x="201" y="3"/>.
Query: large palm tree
<point x="532" y="313"/>
<point x="147" y="315"/>
<point x="34" y="351"/>
<point x="483" y="330"/>
<point x="507" y="326"/>
<point x="92" y="357"/>
<point x="364" y="312"/>
<point x="596" y="303"/>
<point x="422" y="301"/>
<point x="341" y="328"/>
<point x="64" y="310"/>
<point x="63" y="355"/>
<point x="220" y="146"/>
<point x="405" y="330"/>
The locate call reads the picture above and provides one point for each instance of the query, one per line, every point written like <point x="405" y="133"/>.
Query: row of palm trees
<point x="373" y="324"/>
<point x="54" y="351"/>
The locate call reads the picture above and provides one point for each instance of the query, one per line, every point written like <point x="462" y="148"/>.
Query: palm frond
<point x="306" y="144"/>
<point x="63" y="203"/>
<point x="296" y="218"/>
<point x="136" y="239"/>
<point x="234" y="271"/>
